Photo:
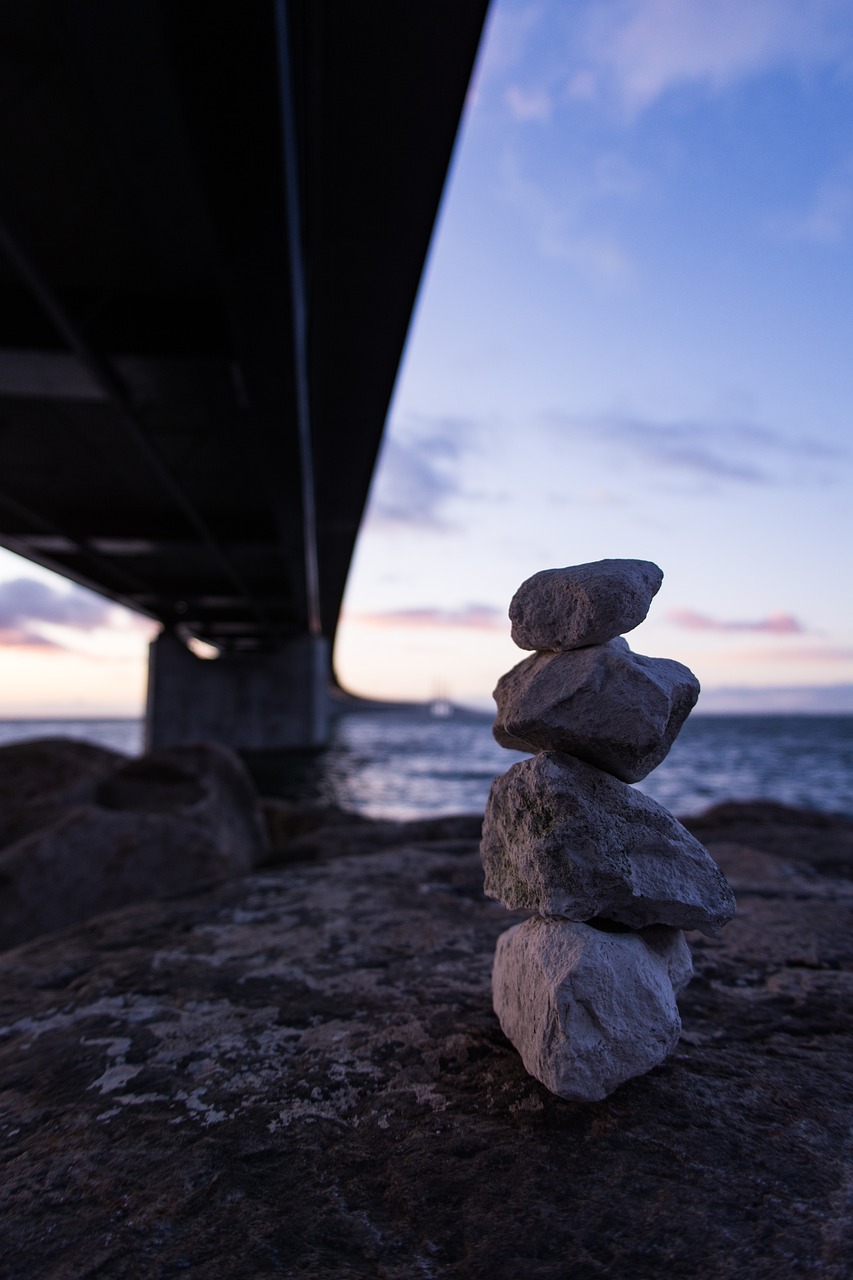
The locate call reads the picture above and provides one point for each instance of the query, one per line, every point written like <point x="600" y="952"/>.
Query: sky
<point x="633" y="339"/>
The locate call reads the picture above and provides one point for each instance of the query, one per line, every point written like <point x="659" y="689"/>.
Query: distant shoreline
<point x="414" y="707"/>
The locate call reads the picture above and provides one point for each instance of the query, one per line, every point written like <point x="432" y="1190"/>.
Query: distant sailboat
<point x="440" y="705"/>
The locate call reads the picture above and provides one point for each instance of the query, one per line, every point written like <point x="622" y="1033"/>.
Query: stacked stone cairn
<point x="586" y="988"/>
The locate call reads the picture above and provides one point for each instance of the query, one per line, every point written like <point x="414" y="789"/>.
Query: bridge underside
<point x="214" y="221"/>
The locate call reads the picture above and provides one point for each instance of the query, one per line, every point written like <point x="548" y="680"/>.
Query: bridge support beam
<point x="251" y="702"/>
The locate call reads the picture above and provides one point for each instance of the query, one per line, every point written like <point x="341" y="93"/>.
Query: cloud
<point x="506" y="38"/>
<point x="829" y="218"/>
<point x="24" y="638"/>
<point x="27" y="602"/>
<point x="707" y="450"/>
<point x="559" y="227"/>
<point x="780" y="624"/>
<point x="636" y="51"/>
<point x="805" y="653"/>
<point x="482" y="617"/>
<point x="418" y="474"/>
<point x="681" y="446"/>
<point x="527" y="105"/>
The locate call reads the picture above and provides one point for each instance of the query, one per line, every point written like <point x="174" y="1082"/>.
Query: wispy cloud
<point x="36" y="615"/>
<point x="684" y="447"/>
<point x="704" y="450"/>
<point x="482" y="617"/>
<point x="829" y="218"/>
<point x="25" y="638"/>
<point x="419" y="473"/>
<point x="803" y="653"/>
<point x="563" y="228"/>
<point x="27" y="603"/>
<point x="636" y="51"/>
<point x="780" y="624"/>
<point x="528" y="104"/>
<point x="508" y="32"/>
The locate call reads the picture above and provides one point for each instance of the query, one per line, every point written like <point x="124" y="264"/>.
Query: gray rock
<point x="671" y="945"/>
<point x="583" y="604"/>
<point x="586" y="1009"/>
<point x="169" y="821"/>
<point x="41" y="777"/>
<point x="604" y="704"/>
<point x="171" y="1072"/>
<point x="565" y="839"/>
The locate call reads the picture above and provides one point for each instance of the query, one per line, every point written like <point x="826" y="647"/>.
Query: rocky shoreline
<point x="297" y="1072"/>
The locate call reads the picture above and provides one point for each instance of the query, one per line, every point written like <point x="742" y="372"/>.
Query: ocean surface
<point x="405" y="763"/>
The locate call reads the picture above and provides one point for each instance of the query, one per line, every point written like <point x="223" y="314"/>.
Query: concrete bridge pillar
<point x="248" y="701"/>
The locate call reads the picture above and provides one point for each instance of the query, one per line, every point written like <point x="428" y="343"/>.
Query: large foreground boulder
<point x="565" y="839"/>
<point x="41" y="777"/>
<point x="172" y="820"/>
<point x="299" y="1073"/>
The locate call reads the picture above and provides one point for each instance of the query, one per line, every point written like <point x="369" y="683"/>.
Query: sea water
<point x="407" y="763"/>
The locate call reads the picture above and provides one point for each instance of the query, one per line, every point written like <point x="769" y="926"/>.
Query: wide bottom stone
<point x="588" y="1009"/>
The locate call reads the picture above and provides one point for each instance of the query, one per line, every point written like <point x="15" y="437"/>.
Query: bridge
<point x="213" y="222"/>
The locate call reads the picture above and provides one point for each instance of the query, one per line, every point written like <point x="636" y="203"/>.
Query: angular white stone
<point x="565" y="839"/>
<point x="583" y="604"/>
<point x="586" y="1009"/>
<point x="604" y="704"/>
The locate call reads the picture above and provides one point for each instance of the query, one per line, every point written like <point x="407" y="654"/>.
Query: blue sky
<point x="633" y="339"/>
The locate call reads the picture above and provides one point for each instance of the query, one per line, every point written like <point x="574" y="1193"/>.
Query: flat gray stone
<point x="604" y="704"/>
<point x="583" y="604"/>
<point x="565" y="839"/>
<point x="586" y="1009"/>
<point x="169" y="821"/>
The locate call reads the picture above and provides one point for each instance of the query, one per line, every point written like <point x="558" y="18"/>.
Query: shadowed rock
<point x="825" y="839"/>
<point x="40" y="778"/>
<point x="587" y="1009"/>
<point x="170" y="821"/>
<point x="604" y="704"/>
<point x="563" y="838"/>
<point x="583" y="604"/>
<point x="306" y="832"/>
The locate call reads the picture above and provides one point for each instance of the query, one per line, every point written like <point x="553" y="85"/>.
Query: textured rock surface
<point x="563" y="838"/>
<point x="301" y="833"/>
<point x="582" y="604"/>
<point x="586" y="1009"/>
<point x="616" y="709"/>
<point x="169" y="821"/>
<point x="300" y="1074"/>
<point x="825" y="840"/>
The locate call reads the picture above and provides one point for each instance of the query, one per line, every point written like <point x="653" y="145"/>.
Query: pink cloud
<point x="778" y="624"/>
<point x="806" y="653"/>
<point x="27" y="604"/>
<point x="480" y="616"/>
<point x="23" y="638"/>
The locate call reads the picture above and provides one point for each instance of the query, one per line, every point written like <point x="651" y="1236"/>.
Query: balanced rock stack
<point x="586" y="988"/>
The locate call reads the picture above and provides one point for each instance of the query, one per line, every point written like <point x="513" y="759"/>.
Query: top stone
<point x="561" y="609"/>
